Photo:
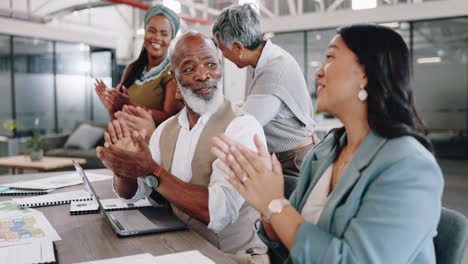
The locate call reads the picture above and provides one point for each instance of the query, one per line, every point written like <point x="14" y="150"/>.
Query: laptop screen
<point x="137" y="221"/>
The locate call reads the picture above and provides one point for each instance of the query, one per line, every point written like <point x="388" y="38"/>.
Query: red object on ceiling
<point x="144" y="6"/>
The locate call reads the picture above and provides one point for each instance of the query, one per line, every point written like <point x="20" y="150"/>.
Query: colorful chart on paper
<point x="7" y="207"/>
<point x="19" y="228"/>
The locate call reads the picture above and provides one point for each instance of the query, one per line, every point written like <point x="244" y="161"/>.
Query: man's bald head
<point x="189" y="41"/>
<point x="196" y="67"/>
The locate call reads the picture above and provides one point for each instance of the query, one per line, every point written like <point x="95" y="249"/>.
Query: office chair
<point x="451" y="239"/>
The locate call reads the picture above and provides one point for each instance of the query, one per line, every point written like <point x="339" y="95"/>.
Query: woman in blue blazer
<point x="371" y="191"/>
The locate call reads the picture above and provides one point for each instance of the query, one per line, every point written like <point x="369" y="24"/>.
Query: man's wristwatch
<point x="275" y="207"/>
<point x="152" y="180"/>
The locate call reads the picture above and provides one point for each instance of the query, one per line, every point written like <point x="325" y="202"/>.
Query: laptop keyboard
<point x="131" y="220"/>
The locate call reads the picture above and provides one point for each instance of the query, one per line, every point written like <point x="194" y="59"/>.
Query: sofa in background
<point x="80" y="143"/>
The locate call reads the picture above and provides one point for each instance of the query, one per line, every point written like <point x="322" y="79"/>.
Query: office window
<point x="440" y="63"/>
<point x="403" y="28"/>
<point x="73" y="84"/>
<point x="317" y="43"/>
<point x="34" y="83"/>
<point x="5" y="84"/>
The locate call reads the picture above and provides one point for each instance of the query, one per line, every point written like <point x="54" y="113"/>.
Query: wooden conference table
<point x="90" y="237"/>
<point x="18" y="163"/>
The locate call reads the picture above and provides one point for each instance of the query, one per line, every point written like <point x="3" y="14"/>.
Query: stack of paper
<point x="16" y="191"/>
<point x="193" y="257"/>
<point x="53" y="199"/>
<point x="134" y="259"/>
<point x="56" y="182"/>
<point x="40" y="250"/>
<point x="118" y="204"/>
<point x="25" y="235"/>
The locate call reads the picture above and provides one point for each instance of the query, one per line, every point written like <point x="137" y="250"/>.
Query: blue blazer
<point x="384" y="209"/>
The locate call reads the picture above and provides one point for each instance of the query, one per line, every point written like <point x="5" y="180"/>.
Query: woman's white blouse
<point x="318" y="197"/>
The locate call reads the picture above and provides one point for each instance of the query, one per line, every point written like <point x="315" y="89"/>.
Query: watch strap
<point x="267" y="216"/>
<point x="158" y="171"/>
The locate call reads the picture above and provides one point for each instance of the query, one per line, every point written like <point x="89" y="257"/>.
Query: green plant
<point x="35" y="143"/>
<point x="11" y="125"/>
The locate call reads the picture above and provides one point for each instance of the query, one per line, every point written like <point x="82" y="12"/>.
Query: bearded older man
<point x="178" y="163"/>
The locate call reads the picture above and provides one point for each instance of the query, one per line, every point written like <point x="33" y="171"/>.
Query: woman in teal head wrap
<point x="146" y="95"/>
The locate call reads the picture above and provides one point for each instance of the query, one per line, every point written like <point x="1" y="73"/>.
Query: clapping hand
<point x="257" y="176"/>
<point x="119" y="97"/>
<point x="137" y="119"/>
<point x="126" y="154"/>
<point x="112" y="99"/>
<point x="101" y="90"/>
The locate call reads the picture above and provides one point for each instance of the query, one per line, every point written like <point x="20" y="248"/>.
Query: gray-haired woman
<point x="276" y="91"/>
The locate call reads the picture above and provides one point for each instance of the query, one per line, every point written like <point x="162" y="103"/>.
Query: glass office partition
<point x="59" y="94"/>
<point x="5" y="84"/>
<point x="440" y="62"/>
<point x="317" y="43"/>
<point x="73" y="84"/>
<point x="404" y="29"/>
<point x="101" y="62"/>
<point x="293" y="42"/>
<point x="33" y="83"/>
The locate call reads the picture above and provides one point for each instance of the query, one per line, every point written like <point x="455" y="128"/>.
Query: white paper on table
<point x="134" y="259"/>
<point x="194" y="256"/>
<point x="40" y="229"/>
<point x="94" y="177"/>
<point x="116" y="204"/>
<point x="83" y="206"/>
<point x="37" y="251"/>
<point x="53" y="198"/>
<point x="56" y="182"/>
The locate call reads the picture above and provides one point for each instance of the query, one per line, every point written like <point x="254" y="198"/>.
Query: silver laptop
<point x="135" y="221"/>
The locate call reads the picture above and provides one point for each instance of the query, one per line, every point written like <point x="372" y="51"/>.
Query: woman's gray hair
<point x="239" y="23"/>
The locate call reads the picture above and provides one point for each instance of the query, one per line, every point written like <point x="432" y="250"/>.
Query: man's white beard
<point x="200" y="105"/>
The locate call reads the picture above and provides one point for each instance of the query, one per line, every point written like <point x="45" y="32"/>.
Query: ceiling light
<point x="391" y="24"/>
<point x="428" y="60"/>
<point x="84" y="47"/>
<point x="268" y="35"/>
<point x="314" y="63"/>
<point x="363" y="4"/>
<point x="404" y="25"/>
<point x="440" y="52"/>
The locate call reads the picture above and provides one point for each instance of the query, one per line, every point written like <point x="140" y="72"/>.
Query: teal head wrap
<point x="168" y="13"/>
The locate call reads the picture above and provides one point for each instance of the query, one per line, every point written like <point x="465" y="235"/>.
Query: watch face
<point x="152" y="181"/>
<point x="276" y="206"/>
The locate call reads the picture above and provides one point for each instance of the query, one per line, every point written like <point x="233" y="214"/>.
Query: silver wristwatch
<point x="275" y="207"/>
<point x="152" y="181"/>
